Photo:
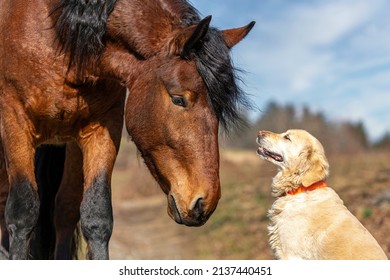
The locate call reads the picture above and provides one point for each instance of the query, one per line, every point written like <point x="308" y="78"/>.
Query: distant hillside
<point x="337" y="137"/>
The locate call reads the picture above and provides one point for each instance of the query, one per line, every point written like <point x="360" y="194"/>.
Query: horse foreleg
<point x="68" y="199"/>
<point x="22" y="207"/>
<point x="96" y="217"/>
<point x="4" y="187"/>
<point x="3" y="200"/>
<point x="99" y="153"/>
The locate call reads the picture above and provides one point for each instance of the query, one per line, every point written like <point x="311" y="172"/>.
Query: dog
<point x="308" y="220"/>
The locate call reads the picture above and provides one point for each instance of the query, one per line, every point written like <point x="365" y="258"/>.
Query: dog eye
<point x="179" y="101"/>
<point x="287" y="137"/>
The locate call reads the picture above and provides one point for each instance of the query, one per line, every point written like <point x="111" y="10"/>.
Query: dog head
<point x="299" y="155"/>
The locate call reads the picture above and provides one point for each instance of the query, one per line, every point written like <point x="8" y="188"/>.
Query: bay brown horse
<point x="64" y="69"/>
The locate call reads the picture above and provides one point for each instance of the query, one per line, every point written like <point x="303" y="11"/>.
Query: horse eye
<point x="179" y="101"/>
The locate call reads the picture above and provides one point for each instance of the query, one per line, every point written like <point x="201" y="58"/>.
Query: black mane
<point x="80" y="26"/>
<point x="215" y="67"/>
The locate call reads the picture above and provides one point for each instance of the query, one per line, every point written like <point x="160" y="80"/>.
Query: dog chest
<point x="298" y="225"/>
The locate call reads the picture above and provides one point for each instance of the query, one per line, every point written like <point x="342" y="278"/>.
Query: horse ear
<point x="196" y="36"/>
<point x="235" y="35"/>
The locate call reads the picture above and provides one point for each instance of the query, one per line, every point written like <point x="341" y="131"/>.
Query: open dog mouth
<point x="266" y="154"/>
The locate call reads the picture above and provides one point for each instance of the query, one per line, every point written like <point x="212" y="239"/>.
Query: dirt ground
<point x="238" y="228"/>
<point x="143" y="230"/>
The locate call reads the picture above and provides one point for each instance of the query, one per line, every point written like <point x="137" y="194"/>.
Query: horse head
<point x="173" y="113"/>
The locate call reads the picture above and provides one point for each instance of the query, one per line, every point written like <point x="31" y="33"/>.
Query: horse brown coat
<point x="64" y="70"/>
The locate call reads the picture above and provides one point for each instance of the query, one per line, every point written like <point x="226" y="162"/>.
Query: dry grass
<point x="131" y="179"/>
<point x="238" y="228"/>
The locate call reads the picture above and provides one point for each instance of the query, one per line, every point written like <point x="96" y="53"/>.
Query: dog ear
<point x="317" y="168"/>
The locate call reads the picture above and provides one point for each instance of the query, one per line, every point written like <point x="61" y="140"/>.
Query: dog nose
<point x="260" y="134"/>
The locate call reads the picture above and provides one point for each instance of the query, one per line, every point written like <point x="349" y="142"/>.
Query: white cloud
<point x="300" y="40"/>
<point x="327" y="22"/>
<point x="364" y="98"/>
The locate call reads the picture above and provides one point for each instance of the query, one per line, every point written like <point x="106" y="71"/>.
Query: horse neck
<point x="145" y="27"/>
<point x="139" y="32"/>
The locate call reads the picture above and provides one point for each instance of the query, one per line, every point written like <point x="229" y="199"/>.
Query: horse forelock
<point x="221" y="78"/>
<point x="80" y="28"/>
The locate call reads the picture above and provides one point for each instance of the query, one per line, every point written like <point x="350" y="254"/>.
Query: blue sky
<point x="330" y="55"/>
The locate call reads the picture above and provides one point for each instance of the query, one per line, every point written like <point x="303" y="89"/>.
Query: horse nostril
<point x="198" y="208"/>
<point x="195" y="214"/>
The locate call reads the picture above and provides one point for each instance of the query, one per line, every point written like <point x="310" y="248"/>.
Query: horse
<point x="65" y="68"/>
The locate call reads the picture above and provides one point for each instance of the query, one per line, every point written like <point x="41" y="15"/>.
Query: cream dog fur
<point x="308" y="220"/>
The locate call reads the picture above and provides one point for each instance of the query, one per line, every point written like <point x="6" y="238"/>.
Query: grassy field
<point x="238" y="228"/>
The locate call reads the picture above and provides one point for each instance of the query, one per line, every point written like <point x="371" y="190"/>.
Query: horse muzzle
<point x="196" y="215"/>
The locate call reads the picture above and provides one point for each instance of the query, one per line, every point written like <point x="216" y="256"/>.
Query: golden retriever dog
<point x="308" y="220"/>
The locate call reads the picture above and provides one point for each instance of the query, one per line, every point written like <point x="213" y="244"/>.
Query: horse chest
<point x="58" y="116"/>
<point x="56" y="108"/>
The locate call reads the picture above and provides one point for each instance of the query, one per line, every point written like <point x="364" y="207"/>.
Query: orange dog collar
<point x="317" y="185"/>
